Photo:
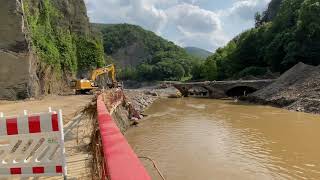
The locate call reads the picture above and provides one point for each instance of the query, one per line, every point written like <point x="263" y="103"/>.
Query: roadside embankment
<point x="135" y="102"/>
<point x="126" y="106"/>
<point x="297" y="89"/>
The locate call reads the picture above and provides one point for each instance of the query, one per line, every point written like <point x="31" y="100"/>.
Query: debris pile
<point x="298" y="89"/>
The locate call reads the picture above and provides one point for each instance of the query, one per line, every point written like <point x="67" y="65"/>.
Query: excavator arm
<point x="110" y="70"/>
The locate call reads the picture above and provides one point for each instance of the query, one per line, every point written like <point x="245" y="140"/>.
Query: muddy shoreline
<point x="300" y="105"/>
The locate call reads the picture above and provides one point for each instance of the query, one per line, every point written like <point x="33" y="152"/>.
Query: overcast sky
<point x="207" y="24"/>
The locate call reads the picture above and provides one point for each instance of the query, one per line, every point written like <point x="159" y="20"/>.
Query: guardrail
<point x="120" y="162"/>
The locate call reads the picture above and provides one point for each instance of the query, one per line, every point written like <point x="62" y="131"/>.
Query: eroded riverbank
<point x="194" y="138"/>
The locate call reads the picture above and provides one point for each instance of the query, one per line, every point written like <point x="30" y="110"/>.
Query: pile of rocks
<point x="141" y="99"/>
<point x="297" y="89"/>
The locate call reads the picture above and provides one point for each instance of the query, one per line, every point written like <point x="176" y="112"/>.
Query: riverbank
<point x="142" y="98"/>
<point x="297" y="89"/>
<point x="136" y="102"/>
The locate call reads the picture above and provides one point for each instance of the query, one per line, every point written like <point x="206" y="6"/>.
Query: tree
<point x="145" y="72"/>
<point x="288" y="32"/>
<point x="197" y="72"/>
<point x="258" y="19"/>
<point x="127" y="73"/>
<point x="162" y="59"/>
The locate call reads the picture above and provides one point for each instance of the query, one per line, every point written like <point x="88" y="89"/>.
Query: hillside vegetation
<point x="198" y="52"/>
<point x="142" y="55"/>
<point x="62" y="38"/>
<point x="288" y="32"/>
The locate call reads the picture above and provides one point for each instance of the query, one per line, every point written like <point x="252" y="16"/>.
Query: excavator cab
<point x="83" y="86"/>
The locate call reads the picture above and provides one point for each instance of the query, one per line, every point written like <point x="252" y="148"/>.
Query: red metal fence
<point x="121" y="163"/>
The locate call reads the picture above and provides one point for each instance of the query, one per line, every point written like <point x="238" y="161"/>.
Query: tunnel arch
<point x="198" y="91"/>
<point x="240" y="91"/>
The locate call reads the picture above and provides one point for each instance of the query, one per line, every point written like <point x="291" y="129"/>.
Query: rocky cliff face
<point x="74" y="14"/>
<point x="131" y="55"/>
<point x="272" y="10"/>
<point x="43" y="45"/>
<point x="17" y="73"/>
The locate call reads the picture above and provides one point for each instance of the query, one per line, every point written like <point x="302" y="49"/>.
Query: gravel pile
<point x="141" y="99"/>
<point x="297" y="89"/>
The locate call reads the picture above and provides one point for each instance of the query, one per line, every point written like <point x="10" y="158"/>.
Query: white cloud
<point x="197" y="27"/>
<point x="245" y="9"/>
<point x="182" y="21"/>
<point x="141" y="12"/>
<point x="206" y="41"/>
<point x="194" y="19"/>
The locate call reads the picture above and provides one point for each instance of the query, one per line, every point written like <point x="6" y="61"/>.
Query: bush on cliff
<point x="57" y="46"/>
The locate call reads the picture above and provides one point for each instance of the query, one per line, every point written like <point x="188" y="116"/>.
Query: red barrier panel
<point x="121" y="162"/>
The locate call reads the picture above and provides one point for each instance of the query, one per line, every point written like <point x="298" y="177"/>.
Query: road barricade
<point x="32" y="145"/>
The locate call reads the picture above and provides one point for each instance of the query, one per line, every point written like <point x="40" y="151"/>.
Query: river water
<point x="204" y="139"/>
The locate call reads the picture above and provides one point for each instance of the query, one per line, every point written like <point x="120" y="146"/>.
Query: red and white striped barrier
<point x="32" y="145"/>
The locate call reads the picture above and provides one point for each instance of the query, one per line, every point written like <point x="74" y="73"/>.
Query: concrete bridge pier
<point x="184" y="90"/>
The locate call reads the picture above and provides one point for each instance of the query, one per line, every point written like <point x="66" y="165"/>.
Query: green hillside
<point x="65" y="48"/>
<point x="198" y="52"/>
<point x="288" y="32"/>
<point x="143" y="55"/>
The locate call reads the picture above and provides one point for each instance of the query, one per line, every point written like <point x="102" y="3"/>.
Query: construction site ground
<point x="76" y="127"/>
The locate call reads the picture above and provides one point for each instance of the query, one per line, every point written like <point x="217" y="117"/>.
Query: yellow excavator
<point x="82" y="86"/>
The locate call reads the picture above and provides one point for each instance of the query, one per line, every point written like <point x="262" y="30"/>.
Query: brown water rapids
<point x="204" y="139"/>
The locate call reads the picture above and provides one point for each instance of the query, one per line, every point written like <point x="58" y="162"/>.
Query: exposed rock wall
<point x="24" y="71"/>
<point x="17" y="70"/>
<point x="131" y="56"/>
<point x="272" y="11"/>
<point x="74" y="16"/>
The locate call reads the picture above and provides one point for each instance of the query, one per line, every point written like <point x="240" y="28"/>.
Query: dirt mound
<point x="297" y="89"/>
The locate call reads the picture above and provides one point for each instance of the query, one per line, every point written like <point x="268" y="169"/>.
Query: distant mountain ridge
<point x="198" y="52"/>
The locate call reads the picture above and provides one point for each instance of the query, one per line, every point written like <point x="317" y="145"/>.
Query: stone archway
<point x="199" y="91"/>
<point x="240" y="91"/>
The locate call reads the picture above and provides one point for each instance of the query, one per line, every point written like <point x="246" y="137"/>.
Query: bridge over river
<point x="221" y="89"/>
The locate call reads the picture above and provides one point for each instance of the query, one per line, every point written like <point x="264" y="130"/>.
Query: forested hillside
<point x="198" y="52"/>
<point x="142" y="55"/>
<point x="288" y="32"/>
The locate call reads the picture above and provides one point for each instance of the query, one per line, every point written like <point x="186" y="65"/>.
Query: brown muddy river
<point x="203" y="139"/>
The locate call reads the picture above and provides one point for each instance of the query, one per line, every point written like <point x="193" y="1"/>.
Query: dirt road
<point x="69" y="105"/>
